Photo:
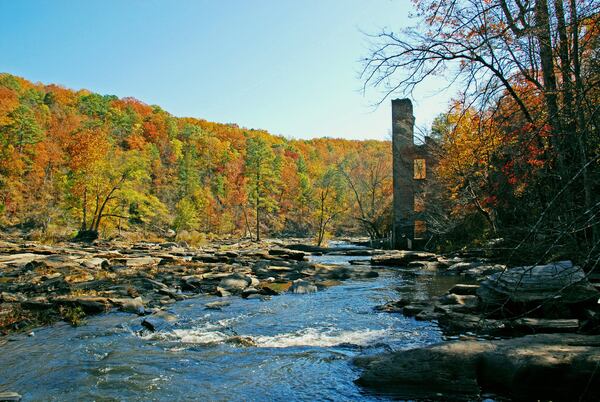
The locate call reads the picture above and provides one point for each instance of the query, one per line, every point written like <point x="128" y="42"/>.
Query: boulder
<point x="412" y="310"/>
<point x="458" y="319"/>
<point x="288" y="254"/>
<point x="309" y="248"/>
<point x="481" y="271"/>
<point x="302" y="286"/>
<point x="443" y="370"/>
<point x="402" y="258"/>
<point x="355" y="252"/>
<point x="222" y="292"/>
<point x="274" y="288"/>
<point x="462" y="266"/>
<point x="539" y="325"/>
<point x="209" y="258"/>
<point x="217" y="305"/>
<point x="135" y="306"/>
<point x="462" y="289"/>
<point x="9" y="396"/>
<point x="534" y="367"/>
<point x="137" y="261"/>
<point x="469" y="301"/>
<point x="235" y="283"/>
<point x="12" y="297"/>
<point x="394" y="306"/>
<point x="521" y="288"/>
<point x="249" y="291"/>
<point x="20" y="259"/>
<point x="94" y="263"/>
<point x="89" y="304"/>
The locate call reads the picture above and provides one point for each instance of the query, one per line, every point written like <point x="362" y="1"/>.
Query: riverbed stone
<point x="481" y="271"/>
<point x="8" y="396"/>
<point x="301" y="286"/>
<point x="402" y="258"/>
<point x="135" y="305"/>
<point x="462" y="289"/>
<point x="469" y="301"/>
<point x="540" y="325"/>
<point x="544" y="366"/>
<point x="559" y="283"/>
<point x="216" y="305"/>
<point x="235" y="283"/>
<point x="288" y="254"/>
<point x="12" y="297"/>
<point x="94" y="263"/>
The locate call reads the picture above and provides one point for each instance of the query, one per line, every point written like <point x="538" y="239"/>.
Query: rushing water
<point x="304" y="345"/>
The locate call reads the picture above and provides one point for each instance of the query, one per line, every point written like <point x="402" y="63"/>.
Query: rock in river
<point x="302" y="286"/>
<point x="561" y="283"/>
<point x="235" y="283"/>
<point x="546" y="367"/>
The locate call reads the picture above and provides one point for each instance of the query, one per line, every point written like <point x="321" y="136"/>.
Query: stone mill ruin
<point x="412" y="165"/>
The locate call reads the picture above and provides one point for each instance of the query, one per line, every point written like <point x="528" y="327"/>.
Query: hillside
<point x="77" y="161"/>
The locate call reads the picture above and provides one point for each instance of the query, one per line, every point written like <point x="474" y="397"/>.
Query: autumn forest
<point x="103" y="165"/>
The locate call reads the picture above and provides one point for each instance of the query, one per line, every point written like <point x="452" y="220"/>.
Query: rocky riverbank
<point x="557" y="297"/>
<point x="40" y="284"/>
<point x="536" y="301"/>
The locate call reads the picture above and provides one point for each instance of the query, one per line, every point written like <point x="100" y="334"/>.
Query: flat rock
<point x="535" y="367"/>
<point x="537" y="325"/>
<point x="217" y="305"/>
<point x="137" y="261"/>
<point x="235" y="282"/>
<point x="462" y="289"/>
<point x="93" y="263"/>
<point x="275" y="288"/>
<point x="394" y="306"/>
<point x="135" y="305"/>
<point x="12" y="297"/>
<point x="463" y="300"/>
<point x="301" y="286"/>
<point x="481" y="271"/>
<point x="20" y="259"/>
<point x="222" y="292"/>
<point x="560" y="282"/>
<point x="457" y="319"/>
<point x="89" y="304"/>
<point x="288" y="254"/>
<point x="402" y="258"/>
<point x="9" y="396"/>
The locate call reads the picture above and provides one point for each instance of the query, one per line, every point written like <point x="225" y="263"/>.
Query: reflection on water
<point x="302" y="347"/>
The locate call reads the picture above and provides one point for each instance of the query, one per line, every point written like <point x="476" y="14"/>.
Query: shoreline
<point x="69" y="281"/>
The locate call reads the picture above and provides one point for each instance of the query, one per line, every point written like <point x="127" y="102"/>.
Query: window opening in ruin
<point x="420" y="229"/>
<point x="419" y="203"/>
<point x="420" y="170"/>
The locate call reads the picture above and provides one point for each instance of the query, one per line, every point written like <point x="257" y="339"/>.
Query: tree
<point x="369" y="177"/>
<point x="525" y="65"/>
<point x="330" y="200"/>
<point x="261" y="171"/>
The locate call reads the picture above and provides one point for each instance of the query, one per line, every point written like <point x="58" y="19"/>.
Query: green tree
<point x="261" y="170"/>
<point x="24" y="129"/>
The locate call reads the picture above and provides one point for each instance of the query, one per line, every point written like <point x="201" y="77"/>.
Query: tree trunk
<point x="542" y="20"/>
<point x="84" y="210"/>
<point x="257" y="205"/>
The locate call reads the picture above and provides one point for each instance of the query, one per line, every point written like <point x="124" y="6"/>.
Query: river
<point x="303" y="347"/>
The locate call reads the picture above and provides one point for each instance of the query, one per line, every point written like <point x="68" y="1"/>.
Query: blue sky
<point x="290" y="67"/>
